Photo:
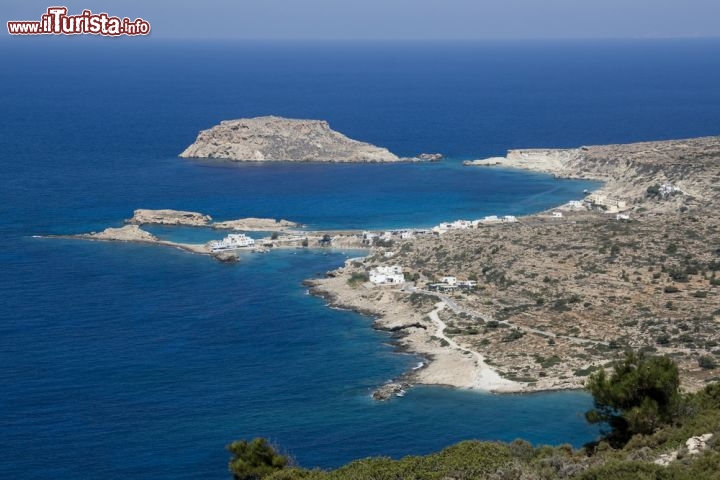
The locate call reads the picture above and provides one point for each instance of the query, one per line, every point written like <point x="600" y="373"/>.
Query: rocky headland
<point x="690" y="165"/>
<point x="272" y="138"/>
<point x="633" y="265"/>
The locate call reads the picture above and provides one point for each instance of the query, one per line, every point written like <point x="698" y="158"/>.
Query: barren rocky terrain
<point x="271" y="138"/>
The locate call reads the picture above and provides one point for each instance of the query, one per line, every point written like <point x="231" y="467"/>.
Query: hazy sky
<point x="401" y="19"/>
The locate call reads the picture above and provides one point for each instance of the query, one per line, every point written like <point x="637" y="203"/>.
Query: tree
<point x="254" y="460"/>
<point x="641" y="394"/>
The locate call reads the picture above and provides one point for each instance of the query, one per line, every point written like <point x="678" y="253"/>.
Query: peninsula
<point x="547" y="299"/>
<point x="540" y="302"/>
<point x="270" y="138"/>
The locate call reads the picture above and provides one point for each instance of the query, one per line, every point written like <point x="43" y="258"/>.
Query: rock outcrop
<point x="272" y="138"/>
<point x="144" y="216"/>
<point x="389" y="390"/>
<point x="128" y="233"/>
<point x="256" y="224"/>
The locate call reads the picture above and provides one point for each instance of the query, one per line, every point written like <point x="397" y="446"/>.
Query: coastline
<point x="548" y="333"/>
<point x="559" y="357"/>
<point x="417" y="332"/>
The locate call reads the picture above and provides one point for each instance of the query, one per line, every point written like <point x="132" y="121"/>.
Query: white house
<point x="622" y="216"/>
<point x="387" y="275"/>
<point x="467" y="284"/>
<point x="557" y="214"/>
<point x="449" y="280"/>
<point x="232" y="242"/>
<point x="575" y="204"/>
<point x="461" y="225"/>
<point x="509" y="219"/>
<point x="406" y="235"/>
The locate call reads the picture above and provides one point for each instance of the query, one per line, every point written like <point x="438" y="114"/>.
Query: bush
<point x="357" y="278"/>
<point x="706" y="362"/>
<point x="254" y="460"/>
<point x="513" y="335"/>
<point x="671" y="289"/>
<point x="641" y="394"/>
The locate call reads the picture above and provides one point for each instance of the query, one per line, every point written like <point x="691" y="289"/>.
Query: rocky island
<point x="272" y="138"/>
<point x="143" y="216"/>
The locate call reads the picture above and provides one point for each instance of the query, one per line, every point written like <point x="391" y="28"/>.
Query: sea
<point x="136" y="361"/>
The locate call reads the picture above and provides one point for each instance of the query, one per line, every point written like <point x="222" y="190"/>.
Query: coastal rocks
<point x="424" y="157"/>
<point x="256" y="224"/>
<point x="128" y="233"/>
<point x="389" y="390"/>
<point x="168" y="217"/>
<point x="630" y="171"/>
<point x="272" y="138"/>
<point x="226" y="257"/>
<point x="143" y="216"/>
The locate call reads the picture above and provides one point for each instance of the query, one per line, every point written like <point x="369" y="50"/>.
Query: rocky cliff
<point x="692" y="165"/>
<point x="273" y="138"/>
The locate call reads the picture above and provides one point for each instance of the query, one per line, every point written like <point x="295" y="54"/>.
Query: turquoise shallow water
<point x="132" y="361"/>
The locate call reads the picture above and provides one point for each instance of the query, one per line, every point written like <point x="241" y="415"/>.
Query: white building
<point x="406" y="235"/>
<point x="557" y="214"/>
<point x="467" y="284"/>
<point x="449" y="280"/>
<point x="461" y="225"/>
<point x="575" y="204"/>
<point x="368" y="237"/>
<point x="392" y="275"/>
<point x="233" y="241"/>
<point x="622" y="216"/>
<point x="509" y="219"/>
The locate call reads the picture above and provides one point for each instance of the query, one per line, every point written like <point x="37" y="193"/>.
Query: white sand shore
<point x="448" y="369"/>
<point x="448" y="363"/>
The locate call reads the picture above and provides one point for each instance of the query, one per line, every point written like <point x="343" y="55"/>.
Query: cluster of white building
<point x="468" y="224"/>
<point x="599" y="202"/>
<point x="387" y="275"/>
<point x="371" y="237"/>
<point x="450" y="283"/>
<point x="233" y="241"/>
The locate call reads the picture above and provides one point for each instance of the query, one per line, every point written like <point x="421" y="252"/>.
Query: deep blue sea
<point x="130" y="361"/>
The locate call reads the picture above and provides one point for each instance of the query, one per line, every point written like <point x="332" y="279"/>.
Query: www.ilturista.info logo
<point x="57" y="22"/>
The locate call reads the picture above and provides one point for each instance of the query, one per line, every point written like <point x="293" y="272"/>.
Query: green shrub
<point x="641" y="394"/>
<point x="706" y="362"/>
<point x="254" y="460"/>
